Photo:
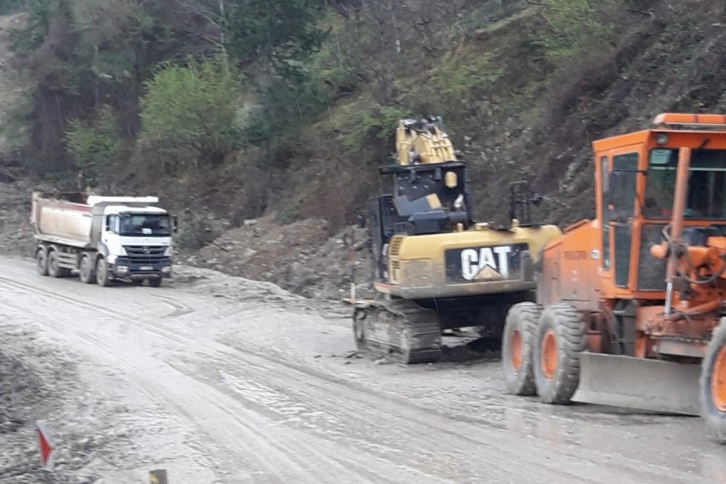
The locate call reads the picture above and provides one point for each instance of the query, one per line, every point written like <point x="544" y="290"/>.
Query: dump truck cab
<point x="136" y="240"/>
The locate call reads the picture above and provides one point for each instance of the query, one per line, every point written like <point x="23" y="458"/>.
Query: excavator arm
<point x="423" y="141"/>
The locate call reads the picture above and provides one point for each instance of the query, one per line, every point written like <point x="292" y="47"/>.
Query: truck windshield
<point x="706" y="184"/>
<point x="144" y="224"/>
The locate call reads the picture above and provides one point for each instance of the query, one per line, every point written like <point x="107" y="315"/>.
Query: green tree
<point x="95" y="144"/>
<point x="280" y="33"/>
<point x="95" y="141"/>
<point x="82" y="54"/>
<point x="190" y="111"/>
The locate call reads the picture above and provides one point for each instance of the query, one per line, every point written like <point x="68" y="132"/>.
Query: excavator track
<point x="400" y="330"/>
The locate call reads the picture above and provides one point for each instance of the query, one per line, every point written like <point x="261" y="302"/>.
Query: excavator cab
<point x="424" y="199"/>
<point x="629" y="305"/>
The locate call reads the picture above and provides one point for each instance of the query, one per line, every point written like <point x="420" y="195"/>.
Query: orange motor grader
<point x="630" y="306"/>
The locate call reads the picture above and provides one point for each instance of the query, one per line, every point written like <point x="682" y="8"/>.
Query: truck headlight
<point x="122" y="269"/>
<point x="166" y="269"/>
<point x="169" y="251"/>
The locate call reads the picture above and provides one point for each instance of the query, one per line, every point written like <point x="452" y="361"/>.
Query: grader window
<point x="621" y="186"/>
<point x="622" y="189"/>
<point x="706" y="185"/>
<point x="604" y="173"/>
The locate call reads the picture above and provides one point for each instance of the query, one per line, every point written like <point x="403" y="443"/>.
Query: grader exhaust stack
<point x="679" y="206"/>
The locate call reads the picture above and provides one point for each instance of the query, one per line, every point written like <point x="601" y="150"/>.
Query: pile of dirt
<point x="301" y="257"/>
<point x="38" y="384"/>
<point x="216" y="284"/>
<point x="210" y="282"/>
<point x="16" y="234"/>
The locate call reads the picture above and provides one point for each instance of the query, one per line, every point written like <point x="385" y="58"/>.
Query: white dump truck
<point x="102" y="238"/>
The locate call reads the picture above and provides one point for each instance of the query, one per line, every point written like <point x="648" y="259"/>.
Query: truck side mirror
<point x="175" y="223"/>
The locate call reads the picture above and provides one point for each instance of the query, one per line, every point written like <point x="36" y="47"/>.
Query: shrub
<point x="371" y="125"/>
<point x="95" y="143"/>
<point x="579" y="26"/>
<point x="191" y="111"/>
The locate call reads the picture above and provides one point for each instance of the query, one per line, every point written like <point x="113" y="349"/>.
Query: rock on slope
<point x="301" y="257"/>
<point x="16" y="235"/>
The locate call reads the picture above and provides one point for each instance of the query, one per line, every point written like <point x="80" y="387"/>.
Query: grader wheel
<point x="518" y="348"/>
<point x="713" y="385"/>
<point x="560" y="340"/>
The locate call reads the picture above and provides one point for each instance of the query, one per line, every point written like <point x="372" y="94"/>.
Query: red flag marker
<point x="45" y="446"/>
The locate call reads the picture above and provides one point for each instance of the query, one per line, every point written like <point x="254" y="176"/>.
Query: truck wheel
<point x="559" y="342"/>
<point x="85" y="270"/>
<point x="713" y="385"/>
<point x="41" y="261"/>
<point x="518" y="348"/>
<point x="155" y="281"/>
<point x="103" y="278"/>
<point x="54" y="269"/>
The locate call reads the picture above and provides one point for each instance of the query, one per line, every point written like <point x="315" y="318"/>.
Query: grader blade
<point x="652" y="385"/>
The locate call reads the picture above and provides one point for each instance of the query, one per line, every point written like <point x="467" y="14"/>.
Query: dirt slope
<point x="301" y="257"/>
<point x="674" y="62"/>
<point x="16" y="235"/>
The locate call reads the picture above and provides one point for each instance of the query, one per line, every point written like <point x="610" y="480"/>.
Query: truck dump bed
<point x="63" y="218"/>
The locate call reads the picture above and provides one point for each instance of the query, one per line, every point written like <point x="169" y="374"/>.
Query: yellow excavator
<point x="435" y="269"/>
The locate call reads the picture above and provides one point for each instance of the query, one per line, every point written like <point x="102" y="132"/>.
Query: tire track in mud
<point x="294" y="453"/>
<point x="297" y="458"/>
<point x="505" y="457"/>
<point x="180" y="308"/>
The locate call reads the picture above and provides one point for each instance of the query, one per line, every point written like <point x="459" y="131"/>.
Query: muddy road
<point x="222" y="380"/>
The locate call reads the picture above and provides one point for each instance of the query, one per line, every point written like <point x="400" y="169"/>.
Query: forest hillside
<point x="241" y="109"/>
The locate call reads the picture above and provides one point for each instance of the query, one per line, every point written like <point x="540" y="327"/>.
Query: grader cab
<point x="630" y="305"/>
